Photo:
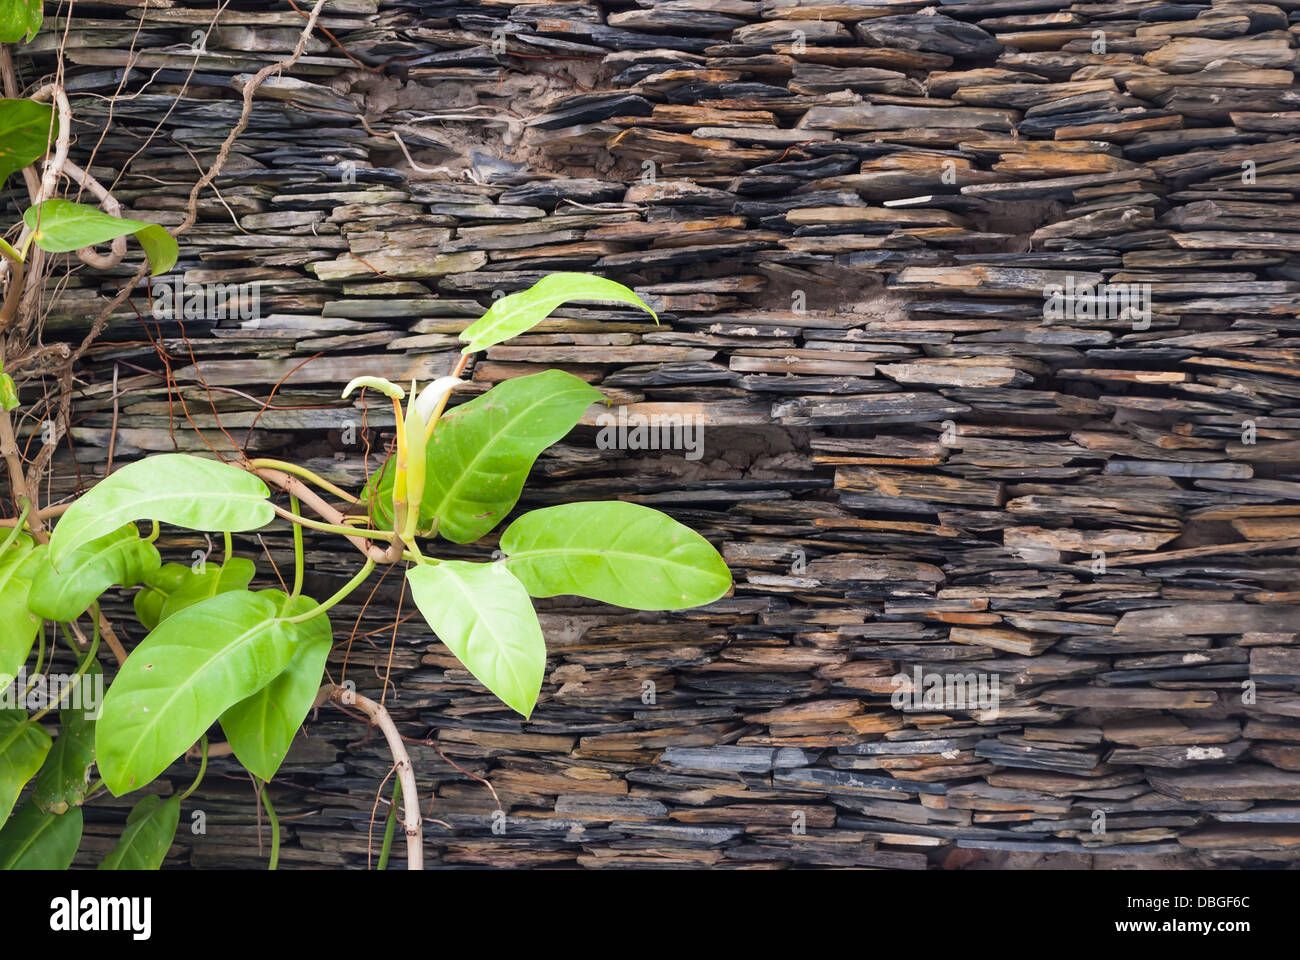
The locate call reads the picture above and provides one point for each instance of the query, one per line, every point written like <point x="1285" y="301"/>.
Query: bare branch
<point x="411" y="821"/>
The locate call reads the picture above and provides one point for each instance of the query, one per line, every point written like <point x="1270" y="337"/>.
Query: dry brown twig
<point x="117" y="248"/>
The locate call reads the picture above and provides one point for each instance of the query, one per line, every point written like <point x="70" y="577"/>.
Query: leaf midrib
<point x="9" y="568"/>
<point x="131" y="836"/>
<point x="468" y="593"/>
<point x="68" y="578"/>
<point x="605" y="552"/>
<point x="11" y="738"/>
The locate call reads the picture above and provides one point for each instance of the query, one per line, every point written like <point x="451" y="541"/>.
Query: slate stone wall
<point x="986" y="312"/>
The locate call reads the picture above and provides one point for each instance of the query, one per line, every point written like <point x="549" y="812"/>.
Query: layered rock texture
<point x="986" y="316"/>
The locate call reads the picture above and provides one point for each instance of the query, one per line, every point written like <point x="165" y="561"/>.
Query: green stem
<point x="390" y="825"/>
<point x="9" y="252"/>
<point x="335" y="528"/>
<point x="297" y="549"/>
<point x="203" y="768"/>
<point x="18" y="528"/>
<point x="340" y="595"/>
<point x="72" y="641"/>
<point x="275" y="827"/>
<point x="81" y="667"/>
<point x="154" y="532"/>
<point x="305" y="474"/>
<point x="40" y="665"/>
<point x="230" y="548"/>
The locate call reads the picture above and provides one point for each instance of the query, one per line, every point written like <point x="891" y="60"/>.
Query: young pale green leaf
<point x="194" y="666"/>
<point x="173" y="488"/>
<point x="61" y="226"/>
<point x="148" y="835"/>
<point x="261" y="728"/>
<point x="23" y="746"/>
<point x="214" y="579"/>
<point x="36" y="839"/>
<point x="26" y="129"/>
<point x="481" y="452"/>
<point x="433" y="394"/>
<point x="518" y="312"/>
<point x="119" y="557"/>
<point x="65" y="775"/>
<point x="617" y="552"/>
<point x="386" y="387"/>
<point x="18" y="625"/>
<point x="19" y="20"/>
<point x="483" y="615"/>
<point x="158" y="586"/>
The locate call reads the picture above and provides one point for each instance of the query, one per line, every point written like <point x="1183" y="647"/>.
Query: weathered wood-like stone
<point x="980" y="346"/>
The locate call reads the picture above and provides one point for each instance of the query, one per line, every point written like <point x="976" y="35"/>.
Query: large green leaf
<point x="23" y="746"/>
<point x="483" y="615"/>
<point x="61" y="226"/>
<point x="214" y="579"/>
<point x="36" y="839"/>
<point x="65" y="775"/>
<point x="481" y="452"/>
<point x="618" y="552"/>
<point x="513" y="314"/>
<point x="183" y="676"/>
<point x="119" y="557"/>
<point x="19" y="19"/>
<point x="18" y="625"/>
<point x="261" y="727"/>
<point x="174" y="488"/>
<point x="26" y="128"/>
<point x="148" y="835"/>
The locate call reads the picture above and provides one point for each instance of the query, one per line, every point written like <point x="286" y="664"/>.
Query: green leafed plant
<point x="19" y="562"/>
<point x="19" y="20"/>
<point x="620" y="553"/>
<point x="479" y="454"/>
<point x="61" y="226"/>
<point x="520" y="312"/>
<point x="26" y="129"/>
<point x="24" y="744"/>
<point x="37" y="839"/>
<point x="220" y="651"/>
<point x="150" y="828"/>
<point x="483" y="614"/>
<point x="223" y="652"/>
<point x="64" y="779"/>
